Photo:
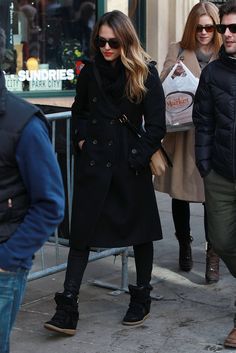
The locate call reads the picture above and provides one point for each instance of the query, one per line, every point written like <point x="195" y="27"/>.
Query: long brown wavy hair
<point x="133" y="56"/>
<point x="188" y="40"/>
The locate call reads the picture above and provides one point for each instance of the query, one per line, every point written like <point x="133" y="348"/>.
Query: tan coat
<point x="183" y="181"/>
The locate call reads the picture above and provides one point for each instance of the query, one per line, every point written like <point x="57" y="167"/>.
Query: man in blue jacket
<point x="214" y="116"/>
<point x="31" y="197"/>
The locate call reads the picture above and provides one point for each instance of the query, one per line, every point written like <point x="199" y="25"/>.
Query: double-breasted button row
<point x="95" y="142"/>
<point x="134" y="151"/>
<point x="92" y="164"/>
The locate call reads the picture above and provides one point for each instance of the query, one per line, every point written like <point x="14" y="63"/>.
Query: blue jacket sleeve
<point x="42" y="178"/>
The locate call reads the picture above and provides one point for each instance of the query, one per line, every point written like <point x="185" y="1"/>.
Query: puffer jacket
<point x="214" y="117"/>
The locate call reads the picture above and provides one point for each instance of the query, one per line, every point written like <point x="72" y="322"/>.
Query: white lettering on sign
<point x="44" y="75"/>
<point x="49" y="85"/>
<point x="13" y="84"/>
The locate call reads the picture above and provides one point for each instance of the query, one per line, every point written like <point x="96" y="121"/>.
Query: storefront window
<point x="47" y="42"/>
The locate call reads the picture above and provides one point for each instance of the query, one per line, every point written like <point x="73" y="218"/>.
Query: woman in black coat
<point x="114" y="202"/>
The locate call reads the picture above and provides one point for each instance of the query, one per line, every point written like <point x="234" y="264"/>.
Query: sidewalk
<point x="191" y="318"/>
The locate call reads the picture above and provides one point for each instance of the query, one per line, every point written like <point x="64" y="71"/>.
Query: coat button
<point x="94" y="142"/>
<point x="134" y="151"/>
<point x="94" y="99"/>
<point x="92" y="163"/>
<point x="110" y="143"/>
<point x="108" y="165"/>
<point x="94" y="121"/>
<point x="112" y="122"/>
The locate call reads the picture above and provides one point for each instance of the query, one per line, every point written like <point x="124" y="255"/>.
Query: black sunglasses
<point x="222" y="28"/>
<point x="112" y="42"/>
<point x="208" y="28"/>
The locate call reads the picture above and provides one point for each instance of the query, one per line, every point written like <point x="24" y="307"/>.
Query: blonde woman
<point x="114" y="202"/>
<point x="199" y="45"/>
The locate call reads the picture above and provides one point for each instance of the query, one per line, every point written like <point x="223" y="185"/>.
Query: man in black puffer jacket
<point x="214" y="116"/>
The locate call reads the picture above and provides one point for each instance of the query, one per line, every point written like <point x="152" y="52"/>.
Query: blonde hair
<point x="133" y="56"/>
<point x="188" y="40"/>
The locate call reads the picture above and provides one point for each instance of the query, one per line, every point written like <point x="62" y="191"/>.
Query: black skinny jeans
<point x="78" y="260"/>
<point x="181" y="218"/>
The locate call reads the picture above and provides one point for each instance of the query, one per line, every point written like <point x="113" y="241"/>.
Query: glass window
<point x="47" y="42"/>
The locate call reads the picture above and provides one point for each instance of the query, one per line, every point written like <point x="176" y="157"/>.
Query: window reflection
<point x="51" y="37"/>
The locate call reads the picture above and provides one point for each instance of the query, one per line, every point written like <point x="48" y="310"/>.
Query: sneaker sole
<point x="65" y="331"/>
<point x="136" y="323"/>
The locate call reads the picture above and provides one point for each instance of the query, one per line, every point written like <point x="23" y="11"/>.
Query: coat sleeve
<point x="80" y="107"/>
<point x="42" y="179"/>
<point x="203" y="119"/>
<point x="154" y="122"/>
<point x="170" y="60"/>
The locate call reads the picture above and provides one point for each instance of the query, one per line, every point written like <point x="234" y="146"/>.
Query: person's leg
<point x="181" y="218"/>
<point x="76" y="265"/>
<point x="12" y="286"/>
<point x="221" y="204"/>
<point x="66" y="317"/>
<point x="140" y="300"/>
<point x="212" y="259"/>
<point x="143" y="256"/>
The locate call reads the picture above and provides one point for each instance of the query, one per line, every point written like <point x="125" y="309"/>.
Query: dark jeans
<point x="181" y="218"/>
<point x="78" y="260"/>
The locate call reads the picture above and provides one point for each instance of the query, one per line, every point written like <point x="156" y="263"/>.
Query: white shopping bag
<point x="179" y="87"/>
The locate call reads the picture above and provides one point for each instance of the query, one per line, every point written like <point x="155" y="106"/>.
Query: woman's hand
<point x="81" y="144"/>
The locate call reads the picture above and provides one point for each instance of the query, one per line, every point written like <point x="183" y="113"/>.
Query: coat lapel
<point x="190" y="60"/>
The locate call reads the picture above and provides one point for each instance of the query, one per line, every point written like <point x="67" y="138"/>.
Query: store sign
<point x="39" y="80"/>
<point x="45" y="80"/>
<point x="44" y="75"/>
<point x="13" y="84"/>
<point x="42" y="85"/>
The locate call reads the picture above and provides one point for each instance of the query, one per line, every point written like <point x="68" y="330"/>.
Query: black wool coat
<point x="114" y="202"/>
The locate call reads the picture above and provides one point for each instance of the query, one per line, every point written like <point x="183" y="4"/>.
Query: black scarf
<point x="113" y="78"/>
